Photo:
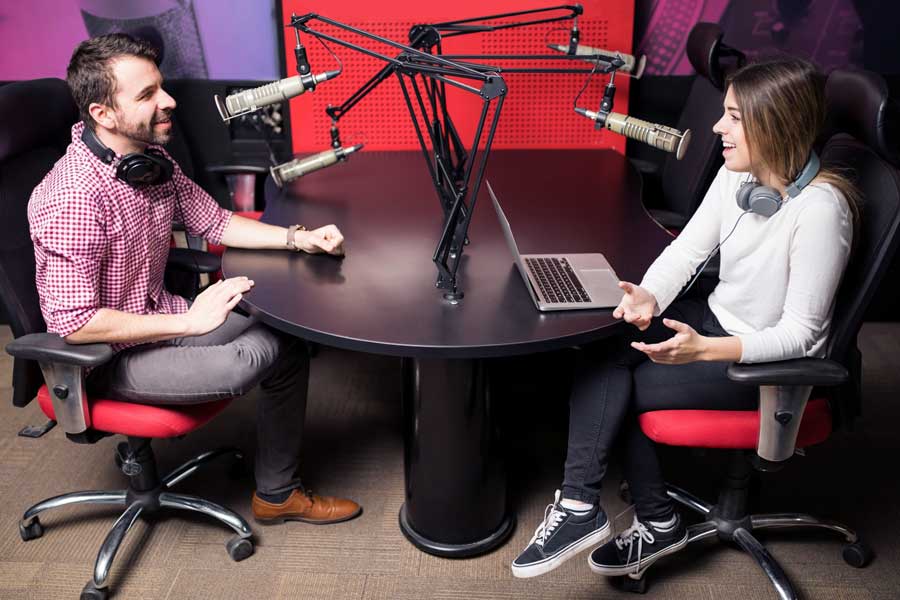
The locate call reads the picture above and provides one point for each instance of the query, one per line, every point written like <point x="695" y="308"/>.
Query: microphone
<point x="303" y="166"/>
<point x="658" y="136"/>
<point x="247" y="101"/>
<point x="633" y="66"/>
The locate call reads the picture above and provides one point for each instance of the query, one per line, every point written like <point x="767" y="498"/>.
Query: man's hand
<point x="324" y="239"/>
<point x="636" y="306"/>
<point x="685" y="346"/>
<point x="211" y="307"/>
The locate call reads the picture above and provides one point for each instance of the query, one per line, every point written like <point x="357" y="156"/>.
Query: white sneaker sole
<point x="645" y="563"/>
<point x="548" y="564"/>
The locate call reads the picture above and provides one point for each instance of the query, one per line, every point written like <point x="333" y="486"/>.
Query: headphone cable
<point x="710" y="257"/>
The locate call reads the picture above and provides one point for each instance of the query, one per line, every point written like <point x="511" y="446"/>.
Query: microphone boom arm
<point x="456" y="172"/>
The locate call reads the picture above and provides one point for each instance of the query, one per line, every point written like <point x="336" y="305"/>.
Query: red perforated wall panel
<point x="537" y="112"/>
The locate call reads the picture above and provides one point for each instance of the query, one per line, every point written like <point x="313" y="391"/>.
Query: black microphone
<point x="634" y="66"/>
<point x="247" y="101"/>
<point x="304" y="166"/>
<point x="658" y="136"/>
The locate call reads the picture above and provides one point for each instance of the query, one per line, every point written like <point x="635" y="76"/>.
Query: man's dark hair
<point x="90" y="74"/>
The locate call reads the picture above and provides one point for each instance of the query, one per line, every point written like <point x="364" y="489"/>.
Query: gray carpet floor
<point x="353" y="446"/>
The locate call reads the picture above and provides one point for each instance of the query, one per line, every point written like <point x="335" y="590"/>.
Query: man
<point x="101" y="244"/>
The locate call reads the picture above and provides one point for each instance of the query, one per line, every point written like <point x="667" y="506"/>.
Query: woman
<point x="783" y="251"/>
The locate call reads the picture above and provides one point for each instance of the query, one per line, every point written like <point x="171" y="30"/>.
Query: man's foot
<point x="306" y="507"/>
<point x="635" y="549"/>
<point x="562" y="534"/>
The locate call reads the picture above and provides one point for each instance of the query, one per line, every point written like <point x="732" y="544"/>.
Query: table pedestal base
<point x="455" y="479"/>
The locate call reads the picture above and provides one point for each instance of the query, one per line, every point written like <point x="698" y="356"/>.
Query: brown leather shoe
<point x="306" y="507"/>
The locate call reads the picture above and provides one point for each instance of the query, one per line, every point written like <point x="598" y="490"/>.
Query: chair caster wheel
<point x="629" y="584"/>
<point x="857" y="554"/>
<point x="239" y="548"/>
<point x="91" y="592"/>
<point x="31" y="530"/>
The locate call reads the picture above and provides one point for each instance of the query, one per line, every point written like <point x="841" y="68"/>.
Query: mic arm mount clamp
<point x="606" y="102"/>
<point x="574" y="37"/>
<point x="300" y="54"/>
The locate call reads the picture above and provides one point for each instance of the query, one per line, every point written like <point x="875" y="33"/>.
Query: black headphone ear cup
<point x="166" y="168"/>
<point x="764" y="201"/>
<point x="137" y="170"/>
<point x="743" y="194"/>
<point x="149" y="168"/>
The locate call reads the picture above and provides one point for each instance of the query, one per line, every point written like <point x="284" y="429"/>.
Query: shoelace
<point x="638" y="531"/>
<point x="552" y="517"/>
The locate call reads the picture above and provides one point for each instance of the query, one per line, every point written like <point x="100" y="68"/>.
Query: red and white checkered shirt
<point x="100" y="243"/>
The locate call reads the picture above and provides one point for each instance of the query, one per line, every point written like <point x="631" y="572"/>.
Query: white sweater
<point x="778" y="275"/>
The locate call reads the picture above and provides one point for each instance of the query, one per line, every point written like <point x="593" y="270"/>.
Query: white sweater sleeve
<point x="674" y="267"/>
<point x="819" y="250"/>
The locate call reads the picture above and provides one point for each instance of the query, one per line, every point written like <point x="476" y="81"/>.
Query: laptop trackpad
<point x="602" y="286"/>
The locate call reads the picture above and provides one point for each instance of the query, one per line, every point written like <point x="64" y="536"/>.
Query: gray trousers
<point x="224" y="363"/>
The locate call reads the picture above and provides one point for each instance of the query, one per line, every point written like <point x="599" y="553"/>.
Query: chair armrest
<point x="237" y="169"/>
<point x="784" y="389"/>
<point x="51" y="348"/>
<point x="798" y="371"/>
<point x="62" y="365"/>
<point x="194" y="261"/>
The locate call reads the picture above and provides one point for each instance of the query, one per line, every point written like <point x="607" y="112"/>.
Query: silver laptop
<point x="563" y="281"/>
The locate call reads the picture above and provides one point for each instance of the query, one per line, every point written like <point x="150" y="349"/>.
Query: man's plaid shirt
<point x="99" y="243"/>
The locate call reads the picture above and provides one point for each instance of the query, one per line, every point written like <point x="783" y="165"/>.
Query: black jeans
<point x="614" y="383"/>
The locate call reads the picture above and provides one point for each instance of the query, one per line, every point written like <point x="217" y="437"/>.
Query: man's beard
<point x="145" y="132"/>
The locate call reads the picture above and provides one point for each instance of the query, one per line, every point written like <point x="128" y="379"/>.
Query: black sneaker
<point x="560" y="536"/>
<point x="635" y="549"/>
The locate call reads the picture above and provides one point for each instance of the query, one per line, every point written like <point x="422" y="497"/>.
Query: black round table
<point x="381" y="298"/>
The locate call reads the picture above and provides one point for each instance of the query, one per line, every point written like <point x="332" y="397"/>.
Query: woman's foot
<point x="562" y="534"/>
<point x="635" y="549"/>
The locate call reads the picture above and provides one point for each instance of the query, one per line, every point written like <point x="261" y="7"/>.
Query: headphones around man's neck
<point x="763" y="200"/>
<point x="137" y="169"/>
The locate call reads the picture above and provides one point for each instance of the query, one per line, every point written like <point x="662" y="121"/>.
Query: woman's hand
<point x="684" y="347"/>
<point x="636" y="307"/>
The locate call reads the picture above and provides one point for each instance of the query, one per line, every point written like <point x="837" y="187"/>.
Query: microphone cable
<point x="586" y="84"/>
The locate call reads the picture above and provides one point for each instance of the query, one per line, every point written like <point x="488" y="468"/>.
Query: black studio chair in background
<point x="27" y="153"/>
<point x="674" y="191"/>
<point x="802" y="401"/>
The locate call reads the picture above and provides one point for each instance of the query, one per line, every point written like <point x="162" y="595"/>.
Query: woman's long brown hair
<point x="782" y="104"/>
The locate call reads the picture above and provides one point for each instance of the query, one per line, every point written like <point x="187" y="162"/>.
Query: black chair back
<point x="858" y="144"/>
<point x="684" y="182"/>
<point x="36" y="118"/>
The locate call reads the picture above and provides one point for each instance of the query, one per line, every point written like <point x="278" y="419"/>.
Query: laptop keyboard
<point x="556" y="280"/>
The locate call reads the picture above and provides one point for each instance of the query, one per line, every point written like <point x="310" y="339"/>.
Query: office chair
<point x="801" y="400"/>
<point x="35" y="122"/>
<point x="676" y="191"/>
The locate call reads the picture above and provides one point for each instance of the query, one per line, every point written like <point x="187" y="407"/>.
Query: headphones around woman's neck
<point x="763" y="200"/>
<point x="137" y="169"/>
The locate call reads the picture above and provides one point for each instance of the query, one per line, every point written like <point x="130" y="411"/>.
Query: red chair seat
<point x="729" y="428"/>
<point x="142" y="420"/>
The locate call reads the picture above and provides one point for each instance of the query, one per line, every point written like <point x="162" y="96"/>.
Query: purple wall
<point x="238" y="39"/>
<point x="202" y="38"/>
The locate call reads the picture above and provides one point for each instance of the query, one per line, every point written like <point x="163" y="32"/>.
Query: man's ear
<point x="102" y="115"/>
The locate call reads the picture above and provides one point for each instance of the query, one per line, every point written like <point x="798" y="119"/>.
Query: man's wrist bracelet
<point x="291" y="232"/>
